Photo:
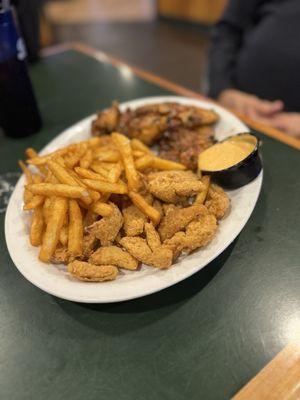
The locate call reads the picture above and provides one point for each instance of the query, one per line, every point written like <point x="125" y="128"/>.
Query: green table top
<point x="203" y="338"/>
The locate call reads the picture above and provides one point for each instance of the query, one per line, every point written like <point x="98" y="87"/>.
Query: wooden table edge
<point x="166" y="84"/>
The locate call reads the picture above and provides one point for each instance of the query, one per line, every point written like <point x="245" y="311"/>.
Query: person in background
<point x="255" y="61"/>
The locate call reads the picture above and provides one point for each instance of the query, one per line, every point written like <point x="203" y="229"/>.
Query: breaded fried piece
<point x="178" y="218"/>
<point x="184" y="145"/>
<point x="134" y="221"/>
<point x="113" y="255"/>
<point x="217" y="202"/>
<point x="92" y="273"/>
<point x="174" y="186"/>
<point x="107" y="120"/>
<point x="152" y="236"/>
<point x="158" y="207"/>
<point x="60" y="256"/>
<point x="89" y="245"/>
<point x="138" y="248"/>
<point x="169" y="207"/>
<point x="147" y="128"/>
<point x="198" y="234"/>
<point x="107" y="228"/>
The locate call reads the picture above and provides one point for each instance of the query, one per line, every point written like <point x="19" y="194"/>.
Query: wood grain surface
<point x="278" y="380"/>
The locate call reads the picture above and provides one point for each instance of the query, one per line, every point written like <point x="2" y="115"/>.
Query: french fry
<point x="72" y="158"/>
<point x="27" y="196"/>
<point x="88" y="174"/>
<point x="200" y="198"/>
<point x="37" y="227"/>
<point x="41" y="160"/>
<point x="95" y="196"/>
<point x="106" y="187"/>
<point x="35" y="202"/>
<point x="143" y="162"/>
<point x="47" y="209"/>
<point x="99" y="169"/>
<point x="107" y="155"/>
<point x="61" y="173"/>
<point x="136" y="144"/>
<point x="123" y="145"/>
<point x="160" y="163"/>
<point x="115" y="173"/>
<point x="94" y="141"/>
<point x="63" y="236"/>
<point x="50" y="189"/>
<point x="37" y="178"/>
<point x="146" y="208"/>
<point x="102" y="209"/>
<point x="26" y="171"/>
<point x="31" y="153"/>
<point x="106" y="166"/>
<point x="137" y="153"/>
<point x="87" y="159"/>
<point x="54" y="225"/>
<point x="75" y="234"/>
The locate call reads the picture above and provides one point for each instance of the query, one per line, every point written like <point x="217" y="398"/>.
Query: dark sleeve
<point x="227" y="39"/>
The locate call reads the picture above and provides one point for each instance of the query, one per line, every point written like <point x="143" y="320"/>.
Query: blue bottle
<point x="19" y="114"/>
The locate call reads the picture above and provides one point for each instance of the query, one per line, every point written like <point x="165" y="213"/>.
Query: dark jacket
<point x="255" y="48"/>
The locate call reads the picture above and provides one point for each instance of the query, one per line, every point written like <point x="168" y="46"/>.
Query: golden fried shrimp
<point x="107" y="228"/>
<point x="113" y="255"/>
<point x="174" y="186"/>
<point x="198" y="234"/>
<point x="60" y="256"/>
<point x="178" y="218"/>
<point x="89" y="245"/>
<point x="134" y="221"/>
<point x="152" y="237"/>
<point x="92" y="273"/>
<point x="217" y="202"/>
<point x="161" y="258"/>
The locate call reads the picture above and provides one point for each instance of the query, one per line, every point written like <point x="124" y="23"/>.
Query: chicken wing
<point x="113" y="255"/>
<point x="174" y="186"/>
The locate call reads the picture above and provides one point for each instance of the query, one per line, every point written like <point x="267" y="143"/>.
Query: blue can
<point x="19" y="113"/>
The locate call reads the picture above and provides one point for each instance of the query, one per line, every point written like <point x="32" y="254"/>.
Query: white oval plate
<point x="129" y="284"/>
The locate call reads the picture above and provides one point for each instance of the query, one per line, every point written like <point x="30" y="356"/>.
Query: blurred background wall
<point x="169" y="38"/>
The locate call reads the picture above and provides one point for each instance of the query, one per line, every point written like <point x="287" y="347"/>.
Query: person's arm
<point x="227" y="39"/>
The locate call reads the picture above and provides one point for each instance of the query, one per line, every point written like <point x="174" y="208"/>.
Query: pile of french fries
<point x="66" y="187"/>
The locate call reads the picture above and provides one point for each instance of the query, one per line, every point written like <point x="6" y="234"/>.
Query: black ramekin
<point x="239" y="174"/>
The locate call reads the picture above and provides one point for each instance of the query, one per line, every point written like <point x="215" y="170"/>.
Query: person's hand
<point x="287" y="122"/>
<point x="249" y="105"/>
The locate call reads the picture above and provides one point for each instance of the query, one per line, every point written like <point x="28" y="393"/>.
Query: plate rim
<point x="163" y="285"/>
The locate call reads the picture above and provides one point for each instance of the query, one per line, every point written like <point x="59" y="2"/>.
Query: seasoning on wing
<point x="174" y="186"/>
<point x="184" y="145"/>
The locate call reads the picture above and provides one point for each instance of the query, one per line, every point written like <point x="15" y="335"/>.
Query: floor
<point x="174" y="50"/>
